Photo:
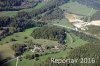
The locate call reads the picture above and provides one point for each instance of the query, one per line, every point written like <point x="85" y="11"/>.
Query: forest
<point x="51" y="32"/>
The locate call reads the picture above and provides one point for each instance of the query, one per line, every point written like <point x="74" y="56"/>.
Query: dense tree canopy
<point x="51" y="32"/>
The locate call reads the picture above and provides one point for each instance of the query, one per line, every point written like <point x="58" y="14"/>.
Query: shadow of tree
<point x="3" y="61"/>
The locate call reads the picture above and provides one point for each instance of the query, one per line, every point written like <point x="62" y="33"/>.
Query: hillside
<point x="89" y="51"/>
<point x="34" y="31"/>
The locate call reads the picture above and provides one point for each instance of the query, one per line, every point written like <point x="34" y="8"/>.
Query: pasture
<point x="8" y="13"/>
<point x="76" y="8"/>
<point x="76" y="41"/>
<point x="19" y="37"/>
<point x="63" y="22"/>
<point x="6" y="51"/>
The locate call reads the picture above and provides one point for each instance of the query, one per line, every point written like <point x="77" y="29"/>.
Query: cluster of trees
<point x="6" y="5"/>
<point x="56" y="13"/>
<point x="19" y="49"/>
<point x="50" y="32"/>
<point x="32" y="56"/>
<point x="86" y="37"/>
<point x="3" y="32"/>
<point x="15" y="5"/>
<point x="4" y="21"/>
<point x="49" y="7"/>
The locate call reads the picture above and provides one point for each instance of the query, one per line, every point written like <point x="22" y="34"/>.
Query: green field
<point x="76" y="41"/>
<point x="6" y="51"/>
<point x="95" y="30"/>
<point x="63" y="22"/>
<point x="62" y="54"/>
<point x="40" y="5"/>
<point x="69" y="39"/>
<point x="26" y="62"/>
<point x="18" y="36"/>
<point x="76" y="8"/>
<point x="8" y="13"/>
<point x="13" y="63"/>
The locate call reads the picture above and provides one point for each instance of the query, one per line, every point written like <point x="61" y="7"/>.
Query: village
<point x="36" y="50"/>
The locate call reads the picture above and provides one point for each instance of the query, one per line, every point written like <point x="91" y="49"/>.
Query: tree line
<point x="86" y="36"/>
<point x="55" y="13"/>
